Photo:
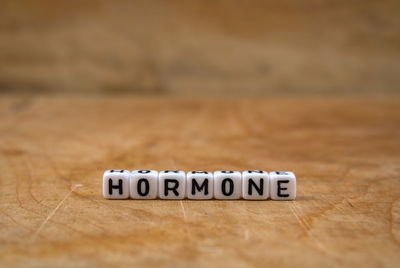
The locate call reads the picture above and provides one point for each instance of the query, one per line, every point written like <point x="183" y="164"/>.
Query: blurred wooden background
<point x="200" y="47"/>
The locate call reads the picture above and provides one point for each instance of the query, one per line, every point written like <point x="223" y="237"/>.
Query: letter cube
<point x="227" y="184"/>
<point x="255" y="185"/>
<point x="144" y="184"/>
<point x="283" y="185"/>
<point x="172" y="184"/>
<point x="116" y="184"/>
<point x="199" y="185"/>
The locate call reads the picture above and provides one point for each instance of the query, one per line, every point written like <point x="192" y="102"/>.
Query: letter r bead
<point x="171" y="184"/>
<point x="283" y="185"/>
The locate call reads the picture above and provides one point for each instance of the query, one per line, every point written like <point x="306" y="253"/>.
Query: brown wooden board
<point x="344" y="151"/>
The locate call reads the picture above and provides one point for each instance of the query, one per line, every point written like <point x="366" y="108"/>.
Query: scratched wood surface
<point x="345" y="152"/>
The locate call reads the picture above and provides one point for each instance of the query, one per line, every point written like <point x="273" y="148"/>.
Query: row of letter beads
<point x="175" y="184"/>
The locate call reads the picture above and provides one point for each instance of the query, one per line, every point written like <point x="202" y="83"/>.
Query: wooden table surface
<point x="345" y="152"/>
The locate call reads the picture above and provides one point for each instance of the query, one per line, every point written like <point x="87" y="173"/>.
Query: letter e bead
<point x="283" y="185"/>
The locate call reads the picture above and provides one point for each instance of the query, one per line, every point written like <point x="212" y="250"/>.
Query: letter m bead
<point x="116" y="184"/>
<point x="199" y="185"/>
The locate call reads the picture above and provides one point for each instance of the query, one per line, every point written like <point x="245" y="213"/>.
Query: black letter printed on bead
<point x="256" y="171"/>
<point x="146" y="187"/>
<point x="111" y="186"/>
<point x="115" y="170"/>
<point x="280" y="188"/>
<point x="223" y="187"/>
<point x="173" y="188"/>
<point x="171" y="171"/>
<point x="196" y="186"/>
<point x="260" y="190"/>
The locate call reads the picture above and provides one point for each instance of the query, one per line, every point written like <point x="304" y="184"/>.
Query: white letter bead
<point x="283" y="185"/>
<point x="144" y="184"/>
<point x="116" y="184"/>
<point x="171" y="184"/>
<point x="255" y="185"/>
<point x="199" y="185"/>
<point x="227" y="184"/>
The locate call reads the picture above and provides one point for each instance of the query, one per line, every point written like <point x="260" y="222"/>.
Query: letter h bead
<point x="116" y="184"/>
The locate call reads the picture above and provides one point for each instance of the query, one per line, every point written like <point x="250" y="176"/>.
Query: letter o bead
<point x="199" y="185"/>
<point x="144" y="184"/>
<point x="171" y="184"/>
<point x="227" y="185"/>
<point x="283" y="185"/>
<point x="116" y="184"/>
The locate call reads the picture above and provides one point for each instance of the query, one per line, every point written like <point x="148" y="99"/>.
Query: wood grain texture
<point x="344" y="151"/>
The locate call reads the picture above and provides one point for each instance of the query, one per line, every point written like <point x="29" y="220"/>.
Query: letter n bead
<point x="172" y="184"/>
<point x="116" y="184"/>
<point x="255" y="185"/>
<point x="144" y="184"/>
<point x="283" y="185"/>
